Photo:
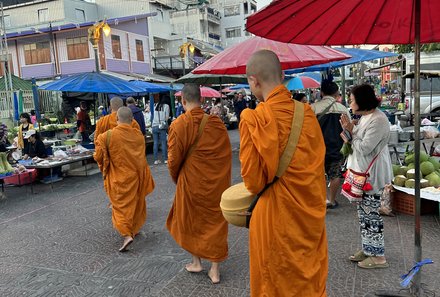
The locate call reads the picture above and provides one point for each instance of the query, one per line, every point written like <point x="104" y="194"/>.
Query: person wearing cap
<point x="35" y="147"/>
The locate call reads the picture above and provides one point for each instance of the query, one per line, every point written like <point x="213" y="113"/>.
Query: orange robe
<point x="127" y="177"/>
<point x="195" y="220"/>
<point x="287" y="235"/>
<point x="109" y="122"/>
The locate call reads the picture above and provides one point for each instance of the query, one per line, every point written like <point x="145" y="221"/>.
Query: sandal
<point x="358" y="256"/>
<point x="370" y="264"/>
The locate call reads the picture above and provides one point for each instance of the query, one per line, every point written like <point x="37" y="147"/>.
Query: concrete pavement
<point x="61" y="243"/>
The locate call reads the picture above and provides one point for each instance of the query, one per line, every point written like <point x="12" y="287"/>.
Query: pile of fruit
<point x="404" y="176"/>
<point x="5" y="168"/>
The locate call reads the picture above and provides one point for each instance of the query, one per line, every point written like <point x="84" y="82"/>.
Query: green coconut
<point x="396" y="170"/>
<point x="409" y="159"/>
<point x="427" y="168"/>
<point x="402" y="170"/>
<point x="434" y="179"/>
<point x="423" y="157"/>
<point x="400" y="180"/>
<point x="434" y="162"/>
<point x="410" y="183"/>
<point x="411" y="166"/>
<point x="424" y="183"/>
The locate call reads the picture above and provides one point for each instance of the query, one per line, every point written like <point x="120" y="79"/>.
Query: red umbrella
<point x="233" y="60"/>
<point x="339" y="22"/>
<point x="205" y="92"/>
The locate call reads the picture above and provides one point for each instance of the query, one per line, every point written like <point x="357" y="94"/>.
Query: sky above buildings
<point x="262" y="3"/>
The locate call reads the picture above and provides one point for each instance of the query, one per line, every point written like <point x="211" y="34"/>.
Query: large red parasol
<point x="205" y="92"/>
<point x="233" y="60"/>
<point x="341" y="22"/>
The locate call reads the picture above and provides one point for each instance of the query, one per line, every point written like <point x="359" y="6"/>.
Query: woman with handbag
<point x="160" y="129"/>
<point x="370" y="163"/>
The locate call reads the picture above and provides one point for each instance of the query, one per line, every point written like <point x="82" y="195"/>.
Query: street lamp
<point x="185" y="49"/>
<point x="94" y="33"/>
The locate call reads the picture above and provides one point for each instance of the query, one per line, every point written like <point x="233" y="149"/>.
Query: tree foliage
<point x="409" y="48"/>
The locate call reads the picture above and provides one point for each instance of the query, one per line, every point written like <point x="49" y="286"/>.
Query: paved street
<point x="61" y="243"/>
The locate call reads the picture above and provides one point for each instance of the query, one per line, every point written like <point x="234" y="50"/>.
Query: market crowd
<point x="287" y="148"/>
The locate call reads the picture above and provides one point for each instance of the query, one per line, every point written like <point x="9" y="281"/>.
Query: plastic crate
<point x="22" y="179"/>
<point x="405" y="203"/>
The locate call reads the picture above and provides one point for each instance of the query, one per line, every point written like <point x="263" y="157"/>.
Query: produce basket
<point x="405" y="203"/>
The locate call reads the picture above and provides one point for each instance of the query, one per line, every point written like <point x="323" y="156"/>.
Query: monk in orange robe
<point x="120" y="154"/>
<point x="287" y="235"/>
<point x="195" y="220"/>
<point x="110" y="121"/>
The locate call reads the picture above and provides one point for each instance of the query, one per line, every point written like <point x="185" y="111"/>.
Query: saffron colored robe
<point x="195" y="220"/>
<point x="127" y="176"/>
<point x="287" y="235"/>
<point x="109" y="122"/>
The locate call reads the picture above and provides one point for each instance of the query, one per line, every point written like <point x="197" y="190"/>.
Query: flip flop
<point x="125" y="246"/>
<point x="370" y="264"/>
<point x="358" y="256"/>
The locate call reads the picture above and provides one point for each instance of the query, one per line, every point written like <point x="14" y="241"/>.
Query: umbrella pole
<point x="417" y="234"/>
<point x="430" y="100"/>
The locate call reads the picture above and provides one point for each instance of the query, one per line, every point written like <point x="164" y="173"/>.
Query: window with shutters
<point x="77" y="48"/>
<point x="140" y="50"/>
<point x="37" y="53"/>
<point x="116" y="47"/>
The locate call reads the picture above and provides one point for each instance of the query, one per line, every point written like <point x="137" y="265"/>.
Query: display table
<point x="55" y="163"/>
<point x="424" y="142"/>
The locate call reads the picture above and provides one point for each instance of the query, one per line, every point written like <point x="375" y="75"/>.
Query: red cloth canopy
<point x="233" y="60"/>
<point x="340" y="22"/>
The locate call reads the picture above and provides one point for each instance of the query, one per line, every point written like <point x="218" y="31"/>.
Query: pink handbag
<point x="355" y="183"/>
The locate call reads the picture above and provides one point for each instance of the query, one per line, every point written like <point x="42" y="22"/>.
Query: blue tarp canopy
<point x="239" y="87"/>
<point x="92" y="82"/>
<point x="357" y="55"/>
<point x="149" y="87"/>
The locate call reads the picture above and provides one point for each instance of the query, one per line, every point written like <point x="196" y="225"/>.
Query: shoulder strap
<point x="286" y="157"/>
<point x="295" y="132"/>
<point x="325" y="110"/>
<point x="199" y="134"/>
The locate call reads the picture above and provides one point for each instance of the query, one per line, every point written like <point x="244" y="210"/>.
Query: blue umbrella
<point x="239" y="87"/>
<point x="92" y="82"/>
<point x="149" y="87"/>
<point x="357" y="55"/>
<point x="301" y="83"/>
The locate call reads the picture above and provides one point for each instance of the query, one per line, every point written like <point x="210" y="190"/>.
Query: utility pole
<point x="4" y="59"/>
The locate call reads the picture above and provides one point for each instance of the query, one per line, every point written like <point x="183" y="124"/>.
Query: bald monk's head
<point x="125" y="116"/>
<point x="264" y="73"/>
<point x="191" y="97"/>
<point x="116" y="103"/>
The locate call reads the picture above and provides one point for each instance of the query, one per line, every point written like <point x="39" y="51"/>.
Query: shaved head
<point x="191" y="93"/>
<point x="125" y="116"/>
<point x="116" y="103"/>
<point x="265" y="66"/>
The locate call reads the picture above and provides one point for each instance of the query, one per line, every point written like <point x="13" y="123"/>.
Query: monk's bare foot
<point x="109" y="206"/>
<point x="193" y="268"/>
<point x="214" y="276"/>
<point x="127" y="241"/>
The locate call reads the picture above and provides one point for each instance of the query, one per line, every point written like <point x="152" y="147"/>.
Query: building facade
<point x="50" y="39"/>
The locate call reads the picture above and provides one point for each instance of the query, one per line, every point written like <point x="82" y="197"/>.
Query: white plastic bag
<point x="430" y="132"/>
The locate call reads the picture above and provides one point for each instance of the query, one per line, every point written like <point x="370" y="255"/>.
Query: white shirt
<point x="163" y="114"/>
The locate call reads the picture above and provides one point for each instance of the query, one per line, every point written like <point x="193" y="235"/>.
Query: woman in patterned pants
<point x="369" y="138"/>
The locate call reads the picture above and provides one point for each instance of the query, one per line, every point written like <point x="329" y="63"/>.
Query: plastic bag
<point x="430" y="132"/>
<point x="385" y="202"/>
<point x="60" y="154"/>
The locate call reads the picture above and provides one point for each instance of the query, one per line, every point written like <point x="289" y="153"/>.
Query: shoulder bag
<point x="356" y="183"/>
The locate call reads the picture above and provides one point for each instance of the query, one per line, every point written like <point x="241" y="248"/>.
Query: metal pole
<point x="430" y="100"/>
<point x="417" y="234"/>
<point x="95" y="49"/>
